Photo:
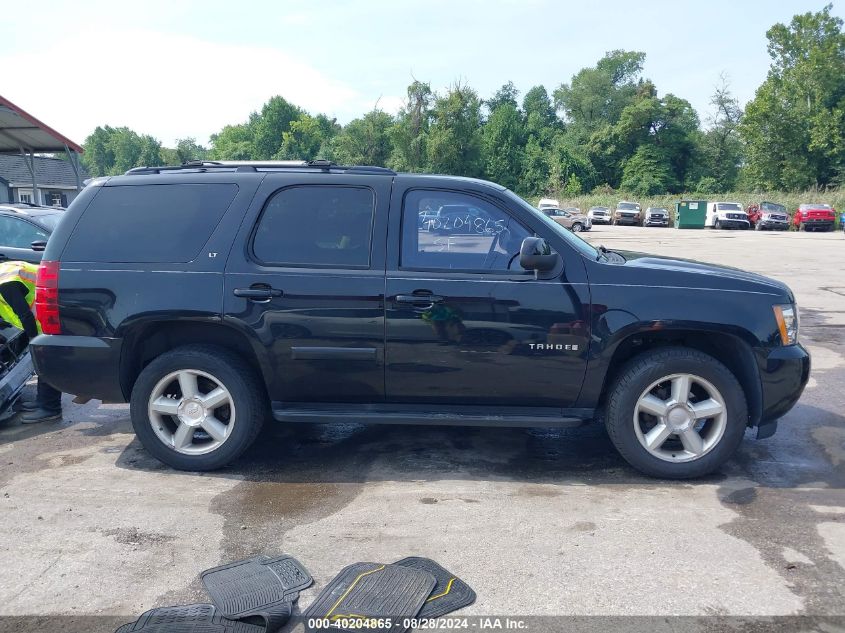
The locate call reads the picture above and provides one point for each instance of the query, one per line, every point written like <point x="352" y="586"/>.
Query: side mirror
<point x="39" y="245"/>
<point x="536" y="254"/>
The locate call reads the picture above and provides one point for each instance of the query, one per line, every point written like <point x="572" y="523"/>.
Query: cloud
<point x="167" y="85"/>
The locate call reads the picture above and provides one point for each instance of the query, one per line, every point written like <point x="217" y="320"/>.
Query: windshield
<point x="580" y="245"/>
<point x="50" y="220"/>
<point x="771" y="206"/>
<point x="598" y="208"/>
<point x="628" y="205"/>
<point x="658" y="210"/>
<point x="728" y="206"/>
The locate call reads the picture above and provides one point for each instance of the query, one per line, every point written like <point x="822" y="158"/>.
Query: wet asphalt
<point x="540" y="522"/>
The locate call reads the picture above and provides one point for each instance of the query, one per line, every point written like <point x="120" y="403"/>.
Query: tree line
<point x="605" y="129"/>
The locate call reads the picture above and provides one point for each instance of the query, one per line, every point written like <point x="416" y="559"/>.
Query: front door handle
<point x="419" y="300"/>
<point x="258" y="292"/>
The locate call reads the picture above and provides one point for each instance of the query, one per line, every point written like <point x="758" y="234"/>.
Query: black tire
<point x="577" y="227"/>
<point x="758" y="226"/>
<point x="717" y="224"/>
<point x="640" y="372"/>
<point x="230" y="370"/>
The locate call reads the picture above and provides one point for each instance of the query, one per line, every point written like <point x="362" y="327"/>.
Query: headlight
<point x="786" y="317"/>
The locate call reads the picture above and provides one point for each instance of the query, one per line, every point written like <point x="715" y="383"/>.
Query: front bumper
<point x="80" y="365"/>
<point x="776" y="225"/>
<point x="784" y="373"/>
<point x="627" y="220"/>
<point x="818" y="224"/>
<point x="602" y="219"/>
<point x="733" y="224"/>
<point x="657" y="222"/>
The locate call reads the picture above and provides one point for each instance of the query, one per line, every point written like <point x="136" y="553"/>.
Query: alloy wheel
<point x="680" y="418"/>
<point x="191" y="411"/>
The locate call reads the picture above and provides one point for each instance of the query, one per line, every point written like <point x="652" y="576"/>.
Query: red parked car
<point x="768" y="215"/>
<point x="814" y="217"/>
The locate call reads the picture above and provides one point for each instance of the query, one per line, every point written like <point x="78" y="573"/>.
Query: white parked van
<point x="548" y="203"/>
<point x="726" y="215"/>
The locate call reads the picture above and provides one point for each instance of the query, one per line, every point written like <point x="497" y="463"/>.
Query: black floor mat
<point x="372" y="591"/>
<point x="449" y="594"/>
<point x="189" y="618"/>
<point x="260" y="586"/>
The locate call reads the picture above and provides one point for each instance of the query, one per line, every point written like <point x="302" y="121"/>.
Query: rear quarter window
<point x="149" y="223"/>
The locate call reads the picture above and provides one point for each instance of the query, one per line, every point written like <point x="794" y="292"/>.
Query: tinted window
<point x="316" y="225"/>
<point x="17" y="233"/>
<point x="50" y="221"/>
<point x="453" y="231"/>
<point x="148" y="223"/>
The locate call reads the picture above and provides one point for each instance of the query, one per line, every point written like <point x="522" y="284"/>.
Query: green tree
<point x="454" y="139"/>
<point x="793" y="128"/>
<point x="648" y="172"/>
<point x="570" y="169"/>
<point x="98" y="157"/>
<point x="364" y="141"/>
<point x="503" y="146"/>
<point x="306" y="136"/>
<point x="719" y="152"/>
<point x="270" y="124"/>
<point x="408" y="134"/>
<point x="597" y="96"/>
<point x="506" y="95"/>
<point x="233" y="142"/>
<point x="187" y="149"/>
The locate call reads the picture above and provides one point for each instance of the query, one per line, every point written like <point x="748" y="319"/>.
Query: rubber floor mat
<point x="449" y="594"/>
<point x="261" y="586"/>
<point x="364" y="591"/>
<point x="189" y="618"/>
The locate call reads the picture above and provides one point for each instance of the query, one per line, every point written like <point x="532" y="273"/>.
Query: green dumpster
<point x="690" y="214"/>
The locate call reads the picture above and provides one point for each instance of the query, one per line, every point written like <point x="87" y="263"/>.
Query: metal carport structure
<point x="21" y="133"/>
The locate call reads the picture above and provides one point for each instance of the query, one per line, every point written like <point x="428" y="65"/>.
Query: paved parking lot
<point x="539" y="522"/>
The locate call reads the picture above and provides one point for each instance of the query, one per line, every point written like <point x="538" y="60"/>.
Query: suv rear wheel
<point x="577" y="227"/>
<point x="197" y="407"/>
<point x="676" y="413"/>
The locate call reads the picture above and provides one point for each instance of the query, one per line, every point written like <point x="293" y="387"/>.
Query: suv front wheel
<point x="197" y="407"/>
<point x="676" y="413"/>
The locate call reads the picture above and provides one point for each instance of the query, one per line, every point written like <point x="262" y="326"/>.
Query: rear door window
<point x="149" y="223"/>
<point x="316" y="225"/>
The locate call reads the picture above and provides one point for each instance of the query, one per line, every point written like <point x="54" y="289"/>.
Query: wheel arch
<point x="732" y="349"/>
<point x="146" y="341"/>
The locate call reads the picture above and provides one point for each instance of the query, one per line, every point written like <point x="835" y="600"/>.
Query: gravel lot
<point x="540" y="522"/>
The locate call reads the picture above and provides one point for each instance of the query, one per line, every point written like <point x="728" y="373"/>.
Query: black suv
<point x="212" y="295"/>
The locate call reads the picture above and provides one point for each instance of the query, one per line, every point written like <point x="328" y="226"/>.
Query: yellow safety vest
<point x="24" y="273"/>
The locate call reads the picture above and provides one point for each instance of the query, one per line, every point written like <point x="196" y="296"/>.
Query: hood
<point x="688" y="273"/>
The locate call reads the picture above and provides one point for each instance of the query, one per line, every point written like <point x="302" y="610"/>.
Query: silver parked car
<point x="656" y="216"/>
<point x="599" y="215"/>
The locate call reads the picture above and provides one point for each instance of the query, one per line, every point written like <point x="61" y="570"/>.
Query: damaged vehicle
<point x="205" y="328"/>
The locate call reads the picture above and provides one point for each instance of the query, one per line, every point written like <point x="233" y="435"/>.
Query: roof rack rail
<point x="257" y="165"/>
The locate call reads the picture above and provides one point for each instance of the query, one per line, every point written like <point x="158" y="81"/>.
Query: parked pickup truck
<point x="726" y="215"/>
<point x="311" y="292"/>
<point x="814" y="217"/>
<point x="765" y="216"/>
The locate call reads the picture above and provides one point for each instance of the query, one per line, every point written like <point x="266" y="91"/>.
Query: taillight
<point x="47" y="297"/>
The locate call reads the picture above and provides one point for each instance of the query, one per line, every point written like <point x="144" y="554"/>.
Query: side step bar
<point x="456" y="416"/>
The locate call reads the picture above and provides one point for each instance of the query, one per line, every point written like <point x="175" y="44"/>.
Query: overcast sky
<point x="179" y="68"/>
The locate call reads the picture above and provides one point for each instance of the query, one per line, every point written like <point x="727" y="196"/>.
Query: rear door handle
<point x="419" y="300"/>
<point x="258" y="292"/>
